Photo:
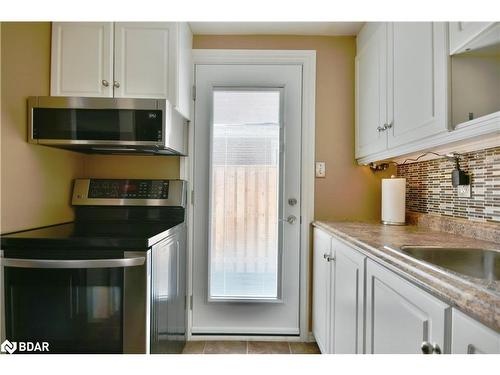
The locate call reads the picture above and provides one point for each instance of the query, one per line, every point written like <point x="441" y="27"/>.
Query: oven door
<point x="92" y="304"/>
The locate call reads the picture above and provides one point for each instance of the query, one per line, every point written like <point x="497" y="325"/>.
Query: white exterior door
<point x="246" y="180"/>
<point x="82" y="59"/>
<point x="144" y="59"/>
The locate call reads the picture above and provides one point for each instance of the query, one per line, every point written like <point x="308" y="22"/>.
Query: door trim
<point x="307" y="59"/>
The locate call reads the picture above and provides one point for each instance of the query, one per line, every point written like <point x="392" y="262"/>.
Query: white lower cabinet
<point x="360" y="306"/>
<point x="400" y="317"/>
<point x="338" y="295"/>
<point x="321" y="289"/>
<point x="348" y="286"/>
<point x="468" y="336"/>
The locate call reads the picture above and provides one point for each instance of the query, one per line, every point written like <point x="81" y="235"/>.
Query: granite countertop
<point x="478" y="298"/>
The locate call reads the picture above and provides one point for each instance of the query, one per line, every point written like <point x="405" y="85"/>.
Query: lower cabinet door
<point x="321" y="289"/>
<point x="400" y="317"/>
<point x="468" y="336"/>
<point x="347" y="332"/>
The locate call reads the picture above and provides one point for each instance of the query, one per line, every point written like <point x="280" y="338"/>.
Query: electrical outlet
<point x="320" y="169"/>
<point x="464" y="191"/>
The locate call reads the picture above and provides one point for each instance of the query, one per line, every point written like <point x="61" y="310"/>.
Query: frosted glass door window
<point x="244" y="248"/>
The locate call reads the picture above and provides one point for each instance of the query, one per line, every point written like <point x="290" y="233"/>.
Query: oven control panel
<point x="129" y="192"/>
<point x="128" y="189"/>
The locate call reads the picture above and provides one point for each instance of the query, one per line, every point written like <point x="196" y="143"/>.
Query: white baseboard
<point x="244" y="338"/>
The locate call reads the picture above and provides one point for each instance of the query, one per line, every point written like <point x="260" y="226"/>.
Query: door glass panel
<point x="244" y="247"/>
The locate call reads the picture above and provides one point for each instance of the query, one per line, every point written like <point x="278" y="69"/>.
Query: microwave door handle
<point x="84" y="263"/>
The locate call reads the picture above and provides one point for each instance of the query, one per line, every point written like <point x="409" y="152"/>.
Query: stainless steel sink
<point x="479" y="263"/>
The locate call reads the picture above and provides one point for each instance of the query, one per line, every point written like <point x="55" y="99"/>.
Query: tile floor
<point x="250" y="347"/>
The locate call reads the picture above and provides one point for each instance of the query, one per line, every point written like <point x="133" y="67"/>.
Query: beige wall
<point x="475" y="85"/>
<point x="349" y="192"/>
<point x="30" y="173"/>
<point x="123" y="166"/>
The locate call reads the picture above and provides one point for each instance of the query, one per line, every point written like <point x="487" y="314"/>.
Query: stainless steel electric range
<point x="112" y="281"/>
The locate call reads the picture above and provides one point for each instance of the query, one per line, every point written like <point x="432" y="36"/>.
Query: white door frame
<point x="306" y="58"/>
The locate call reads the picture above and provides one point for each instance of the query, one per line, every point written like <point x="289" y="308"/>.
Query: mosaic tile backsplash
<point x="429" y="188"/>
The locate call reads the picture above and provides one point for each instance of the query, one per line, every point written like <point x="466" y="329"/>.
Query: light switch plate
<point x="320" y="169"/>
<point x="464" y="191"/>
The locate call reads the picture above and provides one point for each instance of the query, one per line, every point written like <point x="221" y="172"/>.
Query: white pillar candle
<point x="393" y="200"/>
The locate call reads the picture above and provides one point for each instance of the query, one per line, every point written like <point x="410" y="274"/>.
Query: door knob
<point x="292" y="201"/>
<point x="116" y="84"/>
<point x="290" y="219"/>
<point x="105" y="83"/>
<point x="381" y="128"/>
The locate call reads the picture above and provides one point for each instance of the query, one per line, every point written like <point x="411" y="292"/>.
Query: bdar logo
<point x="8" y="347"/>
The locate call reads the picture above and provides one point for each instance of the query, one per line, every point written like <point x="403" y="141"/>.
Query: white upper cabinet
<point x="184" y="74"/>
<point x="462" y="33"/>
<point x="401" y="86"/>
<point x="82" y="59"/>
<point x="400" y="317"/>
<point x="144" y="59"/>
<point x="371" y="89"/>
<point x="123" y="60"/>
<point x="468" y="336"/>
<point x="418" y="81"/>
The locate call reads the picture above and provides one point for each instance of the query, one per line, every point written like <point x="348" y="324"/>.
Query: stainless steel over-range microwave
<point x="107" y="125"/>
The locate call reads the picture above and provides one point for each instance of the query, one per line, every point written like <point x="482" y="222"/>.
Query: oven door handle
<point x="80" y="263"/>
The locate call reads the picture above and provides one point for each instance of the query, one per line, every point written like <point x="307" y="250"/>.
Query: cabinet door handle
<point x="105" y="83"/>
<point x="328" y="257"/>
<point x="426" y="347"/>
<point x="116" y="84"/>
<point x="436" y="349"/>
<point x="380" y="128"/>
<point x="388" y="126"/>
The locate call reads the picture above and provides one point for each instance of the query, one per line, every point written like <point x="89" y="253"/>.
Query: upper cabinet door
<point x="82" y="59"/>
<point x="418" y="82"/>
<point x="183" y="96"/>
<point x="461" y="33"/>
<point x="371" y="89"/>
<point x="145" y="60"/>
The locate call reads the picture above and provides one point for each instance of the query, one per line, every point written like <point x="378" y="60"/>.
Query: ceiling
<point x="281" y="28"/>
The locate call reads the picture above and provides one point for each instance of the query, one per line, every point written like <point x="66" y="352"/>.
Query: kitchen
<point x="210" y="187"/>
